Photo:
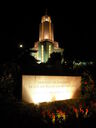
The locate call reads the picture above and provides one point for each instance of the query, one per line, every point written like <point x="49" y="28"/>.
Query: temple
<point x="46" y="45"/>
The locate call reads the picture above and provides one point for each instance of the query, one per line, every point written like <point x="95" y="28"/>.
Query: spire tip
<point x="46" y="11"/>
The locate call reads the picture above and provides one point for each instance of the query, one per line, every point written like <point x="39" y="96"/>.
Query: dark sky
<point x="73" y="31"/>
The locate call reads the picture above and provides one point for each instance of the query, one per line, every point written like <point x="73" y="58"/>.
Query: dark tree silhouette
<point x="10" y="74"/>
<point x="55" y="59"/>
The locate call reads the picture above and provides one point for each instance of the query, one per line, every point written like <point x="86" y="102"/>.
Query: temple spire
<point x="46" y="28"/>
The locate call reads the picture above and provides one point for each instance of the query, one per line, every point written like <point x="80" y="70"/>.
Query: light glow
<point x="42" y="49"/>
<point x="37" y="89"/>
<point x="21" y="45"/>
<point x="49" y="50"/>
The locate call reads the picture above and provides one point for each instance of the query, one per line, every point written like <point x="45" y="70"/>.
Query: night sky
<point x="73" y="31"/>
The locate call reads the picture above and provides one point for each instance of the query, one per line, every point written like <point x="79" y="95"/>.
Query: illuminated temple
<point x="46" y="45"/>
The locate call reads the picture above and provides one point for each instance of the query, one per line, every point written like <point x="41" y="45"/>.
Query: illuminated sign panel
<point x="37" y="89"/>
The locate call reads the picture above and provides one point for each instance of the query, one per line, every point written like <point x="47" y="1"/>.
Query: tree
<point x="87" y="86"/>
<point x="8" y="81"/>
<point x="55" y="59"/>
